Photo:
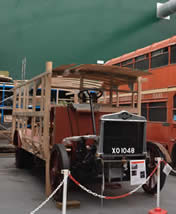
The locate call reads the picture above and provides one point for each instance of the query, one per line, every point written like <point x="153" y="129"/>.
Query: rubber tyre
<point x="153" y="152"/>
<point x="173" y="157"/>
<point x="59" y="160"/>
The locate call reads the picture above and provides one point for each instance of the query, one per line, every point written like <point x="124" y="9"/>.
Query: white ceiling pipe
<point x="164" y="10"/>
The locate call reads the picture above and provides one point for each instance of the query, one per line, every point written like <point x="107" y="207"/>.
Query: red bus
<point x="159" y="90"/>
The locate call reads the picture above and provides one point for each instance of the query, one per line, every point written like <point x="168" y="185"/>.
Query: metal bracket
<point x="158" y="5"/>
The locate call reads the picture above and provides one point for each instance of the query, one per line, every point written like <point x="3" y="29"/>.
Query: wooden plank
<point x="76" y="100"/>
<point x="14" y="109"/>
<point x="111" y="92"/>
<point x="40" y="129"/>
<point x="133" y="100"/>
<point x="42" y="94"/>
<point x="102" y="88"/>
<point x="32" y="80"/>
<point x="70" y="204"/>
<point x="103" y="76"/>
<point x="117" y="98"/>
<point x="19" y="98"/>
<point x="33" y="140"/>
<point x="46" y="146"/>
<point x="27" y="97"/>
<point x="28" y="114"/>
<point x="26" y="124"/>
<point x="24" y="98"/>
<point x="32" y="118"/>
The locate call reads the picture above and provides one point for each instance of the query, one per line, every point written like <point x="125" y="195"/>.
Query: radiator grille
<point x="123" y="134"/>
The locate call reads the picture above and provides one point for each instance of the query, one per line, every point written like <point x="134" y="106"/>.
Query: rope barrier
<point x="114" y="197"/>
<point x="98" y="195"/>
<point x="44" y="202"/>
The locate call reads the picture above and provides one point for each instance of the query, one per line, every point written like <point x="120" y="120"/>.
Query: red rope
<point x="155" y="169"/>
<point x="74" y="180"/>
<point x="120" y="196"/>
<point x="117" y="197"/>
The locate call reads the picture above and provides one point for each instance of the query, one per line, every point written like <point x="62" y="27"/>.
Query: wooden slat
<point x="32" y="80"/>
<point x="70" y="204"/>
<point x="14" y="109"/>
<point x="33" y="117"/>
<point x="42" y="94"/>
<point x="19" y="98"/>
<point x="31" y="140"/>
<point x="103" y="69"/>
<point x="28" y="113"/>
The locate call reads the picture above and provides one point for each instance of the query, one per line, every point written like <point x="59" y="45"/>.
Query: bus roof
<point x="142" y="51"/>
<point x="94" y="75"/>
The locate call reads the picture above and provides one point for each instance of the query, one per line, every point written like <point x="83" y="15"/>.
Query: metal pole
<point x="103" y="182"/>
<point x="3" y="97"/>
<point x="24" y="71"/>
<point x="158" y="183"/>
<point x="93" y="116"/>
<point x="64" y="199"/>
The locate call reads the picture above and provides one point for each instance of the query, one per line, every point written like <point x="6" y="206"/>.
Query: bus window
<point x="142" y="62"/>
<point x="128" y="63"/>
<point x="53" y="96"/>
<point x="38" y="93"/>
<point x="173" y="54"/>
<point x="159" y="58"/>
<point x="158" y="112"/>
<point x="144" y="110"/>
<point x="118" y="64"/>
<point x="125" y="105"/>
<point x="174" y="107"/>
<point x="65" y="96"/>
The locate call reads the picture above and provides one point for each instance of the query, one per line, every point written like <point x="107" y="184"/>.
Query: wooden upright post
<point x="104" y="97"/>
<point x="81" y="85"/>
<point x="117" y="98"/>
<point x="76" y="101"/>
<point x="111" y="94"/>
<point x="46" y="126"/>
<point x="133" y="100"/>
<point x="139" y="95"/>
<point x="14" y="110"/>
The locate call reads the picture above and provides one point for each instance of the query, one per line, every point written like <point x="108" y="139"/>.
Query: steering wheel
<point x="92" y="93"/>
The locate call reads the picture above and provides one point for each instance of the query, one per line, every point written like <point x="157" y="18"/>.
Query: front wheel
<point x="59" y="160"/>
<point x="153" y="151"/>
<point x="173" y="164"/>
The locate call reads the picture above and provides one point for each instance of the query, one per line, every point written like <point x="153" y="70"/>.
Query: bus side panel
<point x="172" y="121"/>
<point x="157" y="132"/>
<point x="161" y="78"/>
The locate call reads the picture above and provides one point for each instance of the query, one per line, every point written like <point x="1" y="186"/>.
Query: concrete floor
<point x="21" y="191"/>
